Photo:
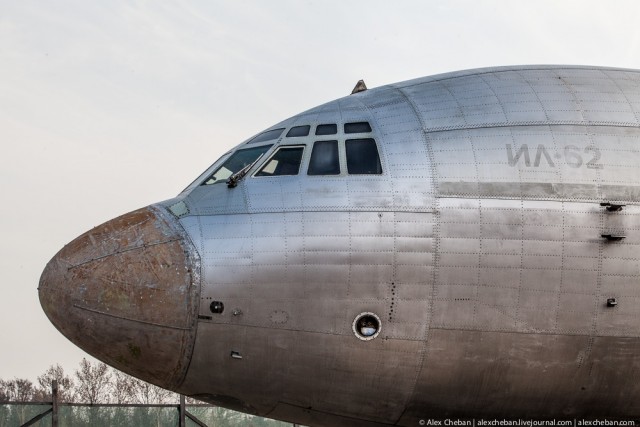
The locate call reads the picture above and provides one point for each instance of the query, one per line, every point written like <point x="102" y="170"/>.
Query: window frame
<point x="298" y="136"/>
<point x="362" y="122"/>
<point x="375" y="143"/>
<point x="263" y="164"/>
<point x="261" y="134"/>
<point x="340" y="160"/>
<point x="316" y="134"/>
<point x="220" y="162"/>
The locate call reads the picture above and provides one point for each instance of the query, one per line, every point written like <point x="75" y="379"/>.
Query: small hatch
<point x="298" y="131"/>
<point x="358" y="127"/>
<point x="328" y="129"/>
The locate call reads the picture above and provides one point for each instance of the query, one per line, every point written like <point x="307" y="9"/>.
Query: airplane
<point x="455" y="246"/>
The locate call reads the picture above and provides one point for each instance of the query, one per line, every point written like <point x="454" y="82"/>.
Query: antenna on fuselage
<point x="360" y="87"/>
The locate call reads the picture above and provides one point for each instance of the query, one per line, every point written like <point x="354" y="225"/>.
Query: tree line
<point x="97" y="383"/>
<point x="90" y="383"/>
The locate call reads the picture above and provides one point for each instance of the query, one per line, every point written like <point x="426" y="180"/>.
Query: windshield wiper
<point x="236" y="177"/>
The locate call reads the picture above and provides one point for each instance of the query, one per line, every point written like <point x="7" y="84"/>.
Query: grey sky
<point x="108" y="106"/>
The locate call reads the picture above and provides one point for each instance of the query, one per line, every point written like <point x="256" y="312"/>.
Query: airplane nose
<point x="126" y="292"/>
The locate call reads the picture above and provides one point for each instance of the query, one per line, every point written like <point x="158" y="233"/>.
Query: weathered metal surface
<point x="486" y="220"/>
<point x="479" y="247"/>
<point x="126" y="293"/>
<point x="530" y="375"/>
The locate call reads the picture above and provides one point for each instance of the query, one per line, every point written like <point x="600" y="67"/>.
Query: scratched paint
<point x="119" y="292"/>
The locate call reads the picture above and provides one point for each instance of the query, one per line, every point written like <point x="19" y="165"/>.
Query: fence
<point x="59" y="414"/>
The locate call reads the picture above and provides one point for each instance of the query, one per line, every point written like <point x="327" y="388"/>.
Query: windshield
<point x="235" y="162"/>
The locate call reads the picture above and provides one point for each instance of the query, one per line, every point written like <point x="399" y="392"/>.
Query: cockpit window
<point x="266" y="136"/>
<point x="330" y="129"/>
<point x="235" y="162"/>
<point x="285" y="161"/>
<point x="362" y="156"/>
<point x="359" y="127"/>
<point x="324" y="159"/>
<point x="298" y="131"/>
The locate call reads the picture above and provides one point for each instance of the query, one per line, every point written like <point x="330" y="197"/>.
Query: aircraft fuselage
<point x="486" y="266"/>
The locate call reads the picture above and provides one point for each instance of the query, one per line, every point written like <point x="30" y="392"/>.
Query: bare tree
<point x="145" y="393"/>
<point x="45" y="381"/>
<point x="123" y="387"/>
<point x="4" y="392"/>
<point x="19" y="390"/>
<point x="93" y="382"/>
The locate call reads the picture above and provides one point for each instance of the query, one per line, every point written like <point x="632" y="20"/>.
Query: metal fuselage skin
<point x="480" y="247"/>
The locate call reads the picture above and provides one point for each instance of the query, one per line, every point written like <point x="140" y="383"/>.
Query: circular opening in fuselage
<point x="366" y="326"/>
<point x="216" y="307"/>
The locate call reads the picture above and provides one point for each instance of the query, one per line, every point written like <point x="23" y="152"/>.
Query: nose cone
<point x="126" y="292"/>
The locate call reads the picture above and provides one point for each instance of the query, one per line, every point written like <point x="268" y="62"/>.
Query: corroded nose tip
<point x="126" y="293"/>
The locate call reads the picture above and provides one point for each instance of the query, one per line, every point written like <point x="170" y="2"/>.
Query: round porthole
<point x="216" y="307"/>
<point x="366" y="326"/>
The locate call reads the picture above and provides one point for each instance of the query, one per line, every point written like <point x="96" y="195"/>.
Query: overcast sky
<point x="107" y="106"/>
